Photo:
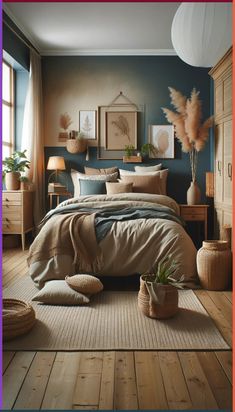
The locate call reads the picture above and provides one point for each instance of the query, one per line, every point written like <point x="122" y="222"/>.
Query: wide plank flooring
<point x="124" y="380"/>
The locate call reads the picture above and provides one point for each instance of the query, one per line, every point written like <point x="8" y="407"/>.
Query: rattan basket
<point x="18" y="318"/>
<point x="76" y="145"/>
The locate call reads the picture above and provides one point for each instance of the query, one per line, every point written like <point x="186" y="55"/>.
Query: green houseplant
<point x="24" y="182"/>
<point x="158" y="295"/>
<point x="129" y="150"/>
<point x="148" y="149"/>
<point x="13" y="166"/>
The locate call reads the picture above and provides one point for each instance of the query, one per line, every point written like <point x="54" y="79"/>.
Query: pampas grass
<point x="189" y="130"/>
<point x="65" y="121"/>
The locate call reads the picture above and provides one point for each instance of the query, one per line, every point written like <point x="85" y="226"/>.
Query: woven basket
<point x="18" y="318"/>
<point x="76" y="145"/>
<point x="214" y="264"/>
<point x="166" y="310"/>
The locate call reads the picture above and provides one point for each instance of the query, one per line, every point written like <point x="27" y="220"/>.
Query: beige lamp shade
<point x="56" y="163"/>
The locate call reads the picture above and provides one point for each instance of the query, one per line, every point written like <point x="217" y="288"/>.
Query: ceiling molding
<point x="28" y="35"/>
<point x="110" y="52"/>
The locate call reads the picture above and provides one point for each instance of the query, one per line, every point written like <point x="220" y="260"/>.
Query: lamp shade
<point x="56" y="163"/>
<point x="201" y="33"/>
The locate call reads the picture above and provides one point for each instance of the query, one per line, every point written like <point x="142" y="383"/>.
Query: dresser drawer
<point x="13" y="198"/>
<point x="195" y="216"/>
<point x="191" y="211"/>
<point x="12" y="211"/>
<point x="11" y="226"/>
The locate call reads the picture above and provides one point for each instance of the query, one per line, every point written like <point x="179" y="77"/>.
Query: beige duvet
<point x="130" y="247"/>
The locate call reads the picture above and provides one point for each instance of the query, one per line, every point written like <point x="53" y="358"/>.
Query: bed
<point x="110" y="235"/>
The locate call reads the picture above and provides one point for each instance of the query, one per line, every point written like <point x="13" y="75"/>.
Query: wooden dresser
<point x="17" y="212"/>
<point x="222" y="75"/>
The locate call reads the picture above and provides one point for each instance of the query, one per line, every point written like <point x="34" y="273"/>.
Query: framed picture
<point x="162" y="138"/>
<point x="120" y="129"/>
<point x="87" y="124"/>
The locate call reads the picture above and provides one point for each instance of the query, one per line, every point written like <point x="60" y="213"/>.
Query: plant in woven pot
<point x="78" y="144"/>
<point x="158" y="294"/>
<point x="13" y="166"/>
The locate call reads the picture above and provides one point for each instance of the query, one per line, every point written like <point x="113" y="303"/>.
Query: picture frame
<point x="88" y="125"/>
<point x="120" y="129"/>
<point x="162" y="138"/>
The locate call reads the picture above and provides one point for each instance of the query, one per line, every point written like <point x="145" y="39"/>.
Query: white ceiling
<point x="96" y="28"/>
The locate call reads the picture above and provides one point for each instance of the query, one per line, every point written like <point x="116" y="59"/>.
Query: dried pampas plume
<point x="65" y="121"/>
<point x="178" y="100"/>
<point x="194" y="115"/>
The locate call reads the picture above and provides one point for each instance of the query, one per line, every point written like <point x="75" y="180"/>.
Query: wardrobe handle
<point x="219" y="164"/>
<point x="230" y="170"/>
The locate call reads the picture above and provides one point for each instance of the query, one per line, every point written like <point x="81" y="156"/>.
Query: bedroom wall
<point x="71" y="84"/>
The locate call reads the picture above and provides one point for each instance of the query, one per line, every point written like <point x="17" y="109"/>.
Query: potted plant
<point x="158" y="294"/>
<point x="130" y="156"/>
<point x="78" y="144"/>
<point x="148" y="149"/>
<point x="24" y="183"/>
<point x="12" y="167"/>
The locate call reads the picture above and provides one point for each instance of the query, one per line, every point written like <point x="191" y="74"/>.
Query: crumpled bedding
<point x="129" y="247"/>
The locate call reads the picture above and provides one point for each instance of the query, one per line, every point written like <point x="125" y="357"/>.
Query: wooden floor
<point x="119" y="380"/>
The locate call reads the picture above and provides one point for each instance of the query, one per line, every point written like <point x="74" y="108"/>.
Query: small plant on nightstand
<point x="24" y="183"/>
<point x="12" y="167"/>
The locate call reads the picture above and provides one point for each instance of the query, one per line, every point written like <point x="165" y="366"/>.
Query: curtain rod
<point x="21" y="38"/>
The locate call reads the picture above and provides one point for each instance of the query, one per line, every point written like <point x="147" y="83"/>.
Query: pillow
<point x="92" y="187"/>
<point x="85" y="284"/>
<point x="114" y="188"/>
<point x="148" y="168"/>
<point x="143" y="184"/>
<point x="57" y="292"/>
<point x="76" y="176"/>
<point x="93" y="171"/>
<point x="161" y="173"/>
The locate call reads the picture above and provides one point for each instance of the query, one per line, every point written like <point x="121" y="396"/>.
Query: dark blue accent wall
<point x="71" y="84"/>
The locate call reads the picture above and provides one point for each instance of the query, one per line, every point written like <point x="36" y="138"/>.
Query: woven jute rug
<point x="112" y="321"/>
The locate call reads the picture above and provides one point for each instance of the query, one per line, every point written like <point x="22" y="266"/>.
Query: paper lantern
<point x="201" y="33"/>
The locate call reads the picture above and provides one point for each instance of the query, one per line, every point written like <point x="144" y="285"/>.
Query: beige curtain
<point x="32" y="135"/>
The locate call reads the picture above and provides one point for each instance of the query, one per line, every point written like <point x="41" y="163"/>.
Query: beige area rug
<point x="112" y="321"/>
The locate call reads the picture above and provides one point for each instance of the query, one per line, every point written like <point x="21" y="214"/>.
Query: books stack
<point x="56" y="188"/>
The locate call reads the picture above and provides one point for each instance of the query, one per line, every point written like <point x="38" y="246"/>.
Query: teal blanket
<point x="105" y="217"/>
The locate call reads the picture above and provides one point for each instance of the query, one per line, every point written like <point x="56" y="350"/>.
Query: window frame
<point x="11" y="105"/>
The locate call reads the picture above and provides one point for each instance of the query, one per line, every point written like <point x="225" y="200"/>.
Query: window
<point x="7" y="109"/>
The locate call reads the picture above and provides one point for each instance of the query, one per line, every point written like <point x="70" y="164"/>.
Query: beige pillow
<point x="143" y="183"/>
<point x="57" y="292"/>
<point x="161" y="173"/>
<point x="85" y="284"/>
<point x="75" y="175"/>
<point x="107" y="171"/>
<point x="154" y="168"/>
<point x="113" y="188"/>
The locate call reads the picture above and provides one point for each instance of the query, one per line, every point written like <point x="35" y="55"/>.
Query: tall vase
<point x="193" y="194"/>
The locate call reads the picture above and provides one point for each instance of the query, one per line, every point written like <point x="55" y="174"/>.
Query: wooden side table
<point x="57" y="196"/>
<point x="195" y="213"/>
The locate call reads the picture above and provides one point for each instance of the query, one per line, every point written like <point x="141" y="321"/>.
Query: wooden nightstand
<point x="57" y="196"/>
<point x="17" y="213"/>
<point x="195" y="213"/>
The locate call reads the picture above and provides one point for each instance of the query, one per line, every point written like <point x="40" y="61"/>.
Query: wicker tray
<point x="18" y="318"/>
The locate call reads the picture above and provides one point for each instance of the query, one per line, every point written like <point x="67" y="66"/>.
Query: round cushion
<point x="85" y="284"/>
<point x="18" y="318"/>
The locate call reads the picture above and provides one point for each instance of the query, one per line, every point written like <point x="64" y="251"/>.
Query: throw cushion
<point x="85" y="284"/>
<point x="141" y="169"/>
<point x="76" y="176"/>
<point x="114" y="188"/>
<point x="57" y="292"/>
<point x="161" y="173"/>
<point x="106" y="171"/>
<point x="144" y="184"/>
<point x="92" y="187"/>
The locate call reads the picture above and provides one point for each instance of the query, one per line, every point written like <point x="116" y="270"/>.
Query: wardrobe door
<point x="219" y="98"/>
<point x="228" y="94"/>
<point x="227" y="175"/>
<point x="219" y="163"/>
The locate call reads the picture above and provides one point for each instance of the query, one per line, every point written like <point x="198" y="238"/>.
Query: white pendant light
<point x="201" y="33"/>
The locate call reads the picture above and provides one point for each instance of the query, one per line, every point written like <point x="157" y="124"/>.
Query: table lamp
<point x="55" y="163"/>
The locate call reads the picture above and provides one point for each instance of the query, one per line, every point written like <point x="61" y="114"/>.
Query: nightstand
<point x="195" y="213"/>
<point x="57" y="195"/>
<point x="17" y="213"/>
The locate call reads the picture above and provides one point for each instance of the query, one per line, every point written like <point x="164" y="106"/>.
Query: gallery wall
<point x="77" y="83"/>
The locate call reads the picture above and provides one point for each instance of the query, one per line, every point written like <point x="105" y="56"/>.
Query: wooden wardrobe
<point x="222" y="75"/>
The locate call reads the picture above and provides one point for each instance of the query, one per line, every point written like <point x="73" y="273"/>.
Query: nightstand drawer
<point x="13" y="198"/>
<point x="195" y="216"/>
<point x="11" y="226"/>
<point x="13" y="212"/>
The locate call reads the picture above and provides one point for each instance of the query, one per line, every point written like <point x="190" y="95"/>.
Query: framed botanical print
<point x="162" y="138"/>
<point x="120" y="130"/>
<point x="88" y="124"/>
